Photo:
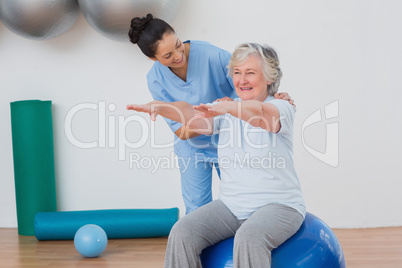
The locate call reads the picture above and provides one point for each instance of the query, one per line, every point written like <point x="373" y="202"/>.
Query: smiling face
<point x="171" y="51"/>
<point x="249" y="80"/>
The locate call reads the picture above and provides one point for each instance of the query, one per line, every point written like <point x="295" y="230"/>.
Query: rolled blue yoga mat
<point x="117" y="223"/>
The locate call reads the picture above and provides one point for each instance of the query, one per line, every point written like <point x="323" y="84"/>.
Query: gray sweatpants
<point x="255" y="238"/>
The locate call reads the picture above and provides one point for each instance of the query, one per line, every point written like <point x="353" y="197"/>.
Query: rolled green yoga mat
<point x="32" y="135"/>
<point x="117" y="223"/>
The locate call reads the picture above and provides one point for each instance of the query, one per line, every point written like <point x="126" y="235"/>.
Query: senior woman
<point x="260" y="201"/>
<point x="194" y="71"/>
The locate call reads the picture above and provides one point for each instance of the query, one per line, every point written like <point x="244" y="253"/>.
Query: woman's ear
<point x="152" y="58"/>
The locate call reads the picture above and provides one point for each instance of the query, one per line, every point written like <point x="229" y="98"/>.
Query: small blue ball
<point x="90" y="240"/>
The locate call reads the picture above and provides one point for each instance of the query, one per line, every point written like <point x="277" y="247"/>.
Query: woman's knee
<point x="255" y="236"/>
<point x="181" y="231"/>
<point x="246" y="235"/>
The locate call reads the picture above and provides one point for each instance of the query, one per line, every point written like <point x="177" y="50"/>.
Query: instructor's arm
<point x="179" y="111"/>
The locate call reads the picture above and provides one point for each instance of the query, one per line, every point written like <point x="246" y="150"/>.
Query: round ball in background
<point x="112" y="18"/>
<point x="90" y="240"/>
<point x="39" y="19"/>
<point x="313" y="246"/>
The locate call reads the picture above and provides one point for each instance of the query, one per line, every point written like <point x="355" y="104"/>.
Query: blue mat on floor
<point x="117" y="223"/>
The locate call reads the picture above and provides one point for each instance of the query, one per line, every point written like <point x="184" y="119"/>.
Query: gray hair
<point x="269" y="62"/>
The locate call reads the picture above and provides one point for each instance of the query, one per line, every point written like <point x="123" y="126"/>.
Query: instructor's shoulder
<point x="155" y="72"/>
<point x="204" y="45"/>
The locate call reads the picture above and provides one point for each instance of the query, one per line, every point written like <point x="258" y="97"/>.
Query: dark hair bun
<point x="137" y="25"/>
<point x="146" y="32"/>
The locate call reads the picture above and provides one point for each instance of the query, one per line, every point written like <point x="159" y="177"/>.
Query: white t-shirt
<point x="256" y="166"/>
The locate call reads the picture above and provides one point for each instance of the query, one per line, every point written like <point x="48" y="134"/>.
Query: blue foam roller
<point x="313" y="246"/>
<point x="117" y="223"/>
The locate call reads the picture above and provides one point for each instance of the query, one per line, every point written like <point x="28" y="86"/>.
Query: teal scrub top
<point x="207" y="80"/>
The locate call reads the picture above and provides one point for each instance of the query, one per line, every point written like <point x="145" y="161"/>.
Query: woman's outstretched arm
<point x="256" y="113"/>
<point x="179" y="111"/>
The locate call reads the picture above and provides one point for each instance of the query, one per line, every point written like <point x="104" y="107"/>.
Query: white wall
<point x="345" y="51"/>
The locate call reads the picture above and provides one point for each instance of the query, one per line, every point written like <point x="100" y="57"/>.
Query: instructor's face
<point x="171" y="51"/>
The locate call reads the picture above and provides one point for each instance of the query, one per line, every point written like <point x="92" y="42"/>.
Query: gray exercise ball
<point x="112" y="18"/>
<point x="39" y="19"/>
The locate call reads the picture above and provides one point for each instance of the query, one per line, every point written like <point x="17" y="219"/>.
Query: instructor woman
<point x="191" y="71"/>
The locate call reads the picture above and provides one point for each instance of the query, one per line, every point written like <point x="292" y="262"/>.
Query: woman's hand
<point x="149" y="108"/>
<point x="208" y="110"/>
<point x="284" y="96"/>
<point x="223" y="99"/>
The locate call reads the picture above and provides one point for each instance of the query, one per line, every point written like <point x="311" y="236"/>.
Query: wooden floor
<point x="370" y="248"/>
<point x="379" y="248"/>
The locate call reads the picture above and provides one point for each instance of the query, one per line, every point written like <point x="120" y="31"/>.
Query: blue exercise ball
<point x="112" y="18"/>
<point x="313" y="246"/>
<point x="90" y="240"/>
<point x="39" y="19"/>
